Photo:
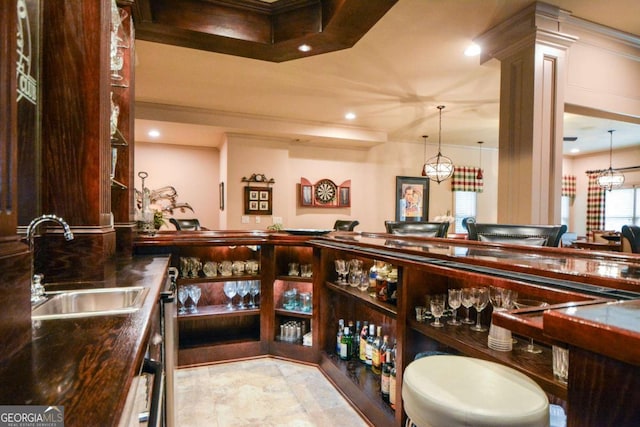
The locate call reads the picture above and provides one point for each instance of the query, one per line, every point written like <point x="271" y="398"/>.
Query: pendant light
<point x="424" y="155"/>
<point x="479" y="175"/>
<point x="610" y="179"/>
<point x="438" y="168"/>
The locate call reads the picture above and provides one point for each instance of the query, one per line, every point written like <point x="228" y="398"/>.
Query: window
<point x="565" y="203"/>
<point x="464" y="206"/>
<point x="622" y="207"/>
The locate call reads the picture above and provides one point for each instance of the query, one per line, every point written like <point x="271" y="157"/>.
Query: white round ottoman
<point x="450" y="391"/>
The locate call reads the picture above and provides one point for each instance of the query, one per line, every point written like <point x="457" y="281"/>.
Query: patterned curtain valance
<point x="569" y="186"/>
<point x="595" y="204"/>
<point x="465" y="178"/>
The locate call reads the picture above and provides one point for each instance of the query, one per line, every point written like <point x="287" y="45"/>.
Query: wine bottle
<point x="363" y="342"/>
<point x="376" y="357"/>
<point x="345" y="344"/>
<point x="370" y="339"/>
<point x="339" y="335"/>
<point x="356" y="340"/>
<point x="385" y="378"/>
<point x="392" y="385"/>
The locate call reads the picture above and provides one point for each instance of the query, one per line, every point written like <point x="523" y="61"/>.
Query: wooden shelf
<point x="211" y="311"/>
<point x="229" y="350"/>
<point x="118" y="185"/>
<point x="213" y="279"/>
<point x="474" y="344"/>
<point x="295" y="279"/>
<point x="361" y="386"/>
<point x="294" y="313"/>
<point x="382" y="307"/>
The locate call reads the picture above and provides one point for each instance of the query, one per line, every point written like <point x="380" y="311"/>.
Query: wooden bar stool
<point x="451" y="391"/>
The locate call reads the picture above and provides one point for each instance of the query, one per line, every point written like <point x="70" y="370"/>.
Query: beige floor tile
<point x="262" y="392"/>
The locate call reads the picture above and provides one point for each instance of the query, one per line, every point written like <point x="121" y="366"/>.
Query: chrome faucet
<point x="37" y="289"/>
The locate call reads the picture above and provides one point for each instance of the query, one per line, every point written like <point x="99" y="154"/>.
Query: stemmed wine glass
<point x="183" y="294"/>
<point x="254" y="289"/>
<point x="527" y="303"/>
<point x="341" y="269"/>
<point x="480" y="301"/>
<point x="437" y="309"/>
<point x="455" y="299"/>
<point x="242" y="290"/>
<point x="230" y="289"/>
<point x="467" y="302"/>
<point x="194" y="292"/>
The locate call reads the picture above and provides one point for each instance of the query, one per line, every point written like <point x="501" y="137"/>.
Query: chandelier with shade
<point x="610" y="178"/>
<point x="438" y="168"/>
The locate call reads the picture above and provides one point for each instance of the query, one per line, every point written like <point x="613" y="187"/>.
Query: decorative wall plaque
<point x="325" y="194"/>
<point x="258" y="200"/>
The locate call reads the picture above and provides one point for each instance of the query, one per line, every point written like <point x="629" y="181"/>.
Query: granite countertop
<point x="611" y="328"/>
<point x="87" y="364"/>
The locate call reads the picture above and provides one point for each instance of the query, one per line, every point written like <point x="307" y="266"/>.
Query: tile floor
<point x="261" y="392"/>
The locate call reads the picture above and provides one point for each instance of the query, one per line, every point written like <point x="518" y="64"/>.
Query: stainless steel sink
<point x="90" y="302"/>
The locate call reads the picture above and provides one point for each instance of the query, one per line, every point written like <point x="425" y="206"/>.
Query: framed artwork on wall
<point x="412" y="198"/>
<point x="258" y="201"/>
<point x="221" y="191"/>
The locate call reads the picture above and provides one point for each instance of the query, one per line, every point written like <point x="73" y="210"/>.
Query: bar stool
<point x="451" y="391"/>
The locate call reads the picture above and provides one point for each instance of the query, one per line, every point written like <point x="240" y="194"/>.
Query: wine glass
<point x="183" y="294"/>
<point x="480" y="301"/>
<point x="455" y="299"/>
<point x="194" y="292"/>
<point x="254" y="289"/>
<point x="467" y="302"/>
<point x="242" y="290"/>
<point x="527" y="303"/>
<point x="437" y="309"/>
<point x="341" y="269"/>
<point x="230" y="289"/>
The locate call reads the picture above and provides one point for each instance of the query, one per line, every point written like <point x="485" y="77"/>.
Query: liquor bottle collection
<point x="366" y="343"/>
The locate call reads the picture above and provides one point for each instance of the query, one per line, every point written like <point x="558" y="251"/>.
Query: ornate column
<point x="532" y="52"/>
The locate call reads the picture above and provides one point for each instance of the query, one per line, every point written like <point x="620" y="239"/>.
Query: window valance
<point x="465" y="178"/>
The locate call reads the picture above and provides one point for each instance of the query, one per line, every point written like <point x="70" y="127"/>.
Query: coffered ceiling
<point x="392" y="76"/>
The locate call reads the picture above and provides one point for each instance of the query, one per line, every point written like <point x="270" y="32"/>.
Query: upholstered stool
<point x="452" y="391"/>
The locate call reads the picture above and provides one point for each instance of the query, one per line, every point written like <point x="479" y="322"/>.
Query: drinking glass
<point x="436" y="303"/>
<point x="254" y="289"/>
<point x="194" y="292"/>
<point x="480" y="301"/>
<point x="455" y="299"/>
<point x="467" y="302"/>
<point x="230" y="289"/>
<point x="183" y="294"/>
<point x="527" y="303"/>
<point x="242" y="290"/>
<point x="364" y="282"/>
<point x="341" y="269"/>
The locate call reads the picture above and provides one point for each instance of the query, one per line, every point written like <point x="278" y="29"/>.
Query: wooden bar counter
<point x="565" y="278"/>
<point x="87" y="364"/>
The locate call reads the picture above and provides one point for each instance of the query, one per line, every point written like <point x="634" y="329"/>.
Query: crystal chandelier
<point x="610" y="179"/>
<point x="438" y="168"/>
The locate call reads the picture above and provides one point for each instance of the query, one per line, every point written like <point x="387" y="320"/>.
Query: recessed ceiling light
<point x="304" y="48"/>
<point x="472" y="50"/>
<point x="153" y="133"/>
<point x="575" y="150"/>
<point x="350" y="116"/>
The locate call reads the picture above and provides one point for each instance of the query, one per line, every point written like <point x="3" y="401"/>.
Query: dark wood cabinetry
<point x="565" y="279"/>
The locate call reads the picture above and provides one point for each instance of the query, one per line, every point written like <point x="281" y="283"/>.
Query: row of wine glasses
<point x="242" y="288"/>
<point x="479" y="298"/>
<point x="185" y="293"/>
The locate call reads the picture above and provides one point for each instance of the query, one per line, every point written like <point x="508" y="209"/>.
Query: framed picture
<point x="221" y="195"/>
<point x="258" y="201"/>
<point x="412" y="198"/>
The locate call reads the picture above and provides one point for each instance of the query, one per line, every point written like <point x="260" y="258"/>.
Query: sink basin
<point x="90" y="302"/>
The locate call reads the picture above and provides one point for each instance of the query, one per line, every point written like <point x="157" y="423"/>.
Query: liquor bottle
<point x="392" y="385"/>
<point x="373" y="273"/>
<point x="339" y="335"/>
<point x="345" y="344"/>
<point x="392" y="286"/>
<point x="385" y="378"/>
<point x="370" y="339"/>
<point x="363" y="342"/>
<point x="376" y="356"/>
<point x="356" y="340"/>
